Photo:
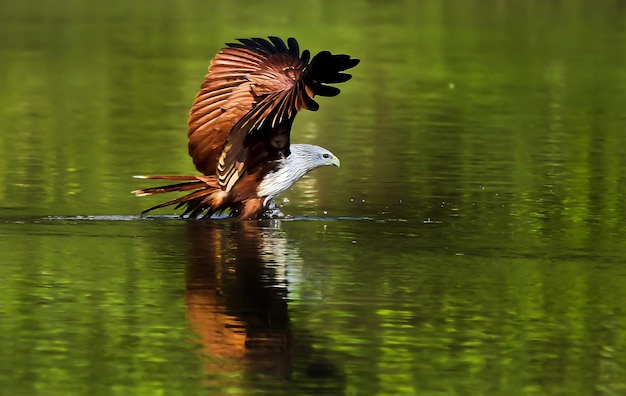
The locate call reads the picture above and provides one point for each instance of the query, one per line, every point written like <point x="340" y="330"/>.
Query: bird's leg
<point x="272" y="211"/>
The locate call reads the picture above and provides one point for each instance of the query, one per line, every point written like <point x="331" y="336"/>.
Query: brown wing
<point x="242" y="116"/>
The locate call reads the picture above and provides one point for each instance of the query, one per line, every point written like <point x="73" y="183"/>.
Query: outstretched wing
<point x="242" y="116"/>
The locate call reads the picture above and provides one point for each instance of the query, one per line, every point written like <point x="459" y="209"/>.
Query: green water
<point x="472" y="242"/>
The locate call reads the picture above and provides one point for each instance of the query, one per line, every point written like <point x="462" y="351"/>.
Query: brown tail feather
<point x="175" y="177"/>
<point x="169" y="188"/>
<point x="206" y="197"/>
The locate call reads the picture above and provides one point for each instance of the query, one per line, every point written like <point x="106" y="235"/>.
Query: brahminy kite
<point x="240" y="123"/>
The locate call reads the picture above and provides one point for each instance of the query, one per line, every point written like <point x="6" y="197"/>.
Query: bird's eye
<point x="326" y="155"/>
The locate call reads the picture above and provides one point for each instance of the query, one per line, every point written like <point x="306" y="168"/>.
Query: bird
<point x="240" y="124"/>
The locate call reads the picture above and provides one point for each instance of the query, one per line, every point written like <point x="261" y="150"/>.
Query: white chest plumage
<point x="303" y="159"/>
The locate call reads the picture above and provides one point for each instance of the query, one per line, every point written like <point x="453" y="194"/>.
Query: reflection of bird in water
<point x="240" y="126"/>
<point x="236" y="298"/>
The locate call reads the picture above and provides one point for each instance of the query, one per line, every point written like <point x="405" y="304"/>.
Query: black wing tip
<point x="269" y="46"/>
<point x="321" y="69"/>
<point x="352" y="62"/>
<point x="276" y="45"/>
